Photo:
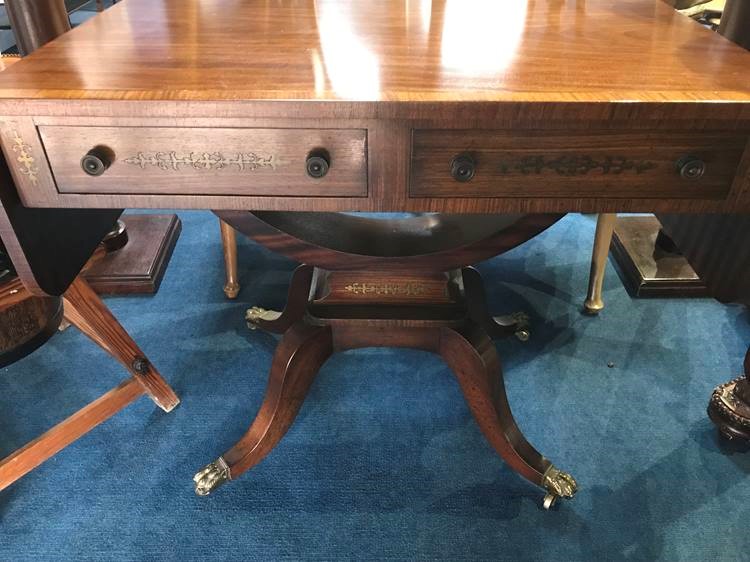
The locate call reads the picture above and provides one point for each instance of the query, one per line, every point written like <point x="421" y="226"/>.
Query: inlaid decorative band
<point x="395" y="289"/>
<point x="171" y="161"/>
<point x="577" y="165"/>
<point x="27" y="164"/>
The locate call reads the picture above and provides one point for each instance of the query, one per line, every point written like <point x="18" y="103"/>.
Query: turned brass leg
<point x="605" y="226"/>
<point x="229" y="242"/>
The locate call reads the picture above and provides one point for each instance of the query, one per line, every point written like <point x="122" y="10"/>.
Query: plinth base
<point x="647" y="271"/>
<point x="139" y="266"/>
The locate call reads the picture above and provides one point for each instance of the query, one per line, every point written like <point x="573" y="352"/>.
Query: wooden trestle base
<point x="420" y="305"/>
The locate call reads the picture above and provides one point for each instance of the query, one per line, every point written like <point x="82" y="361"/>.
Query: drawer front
<point x="207" y="161"/>
<point x="545" y="164"/>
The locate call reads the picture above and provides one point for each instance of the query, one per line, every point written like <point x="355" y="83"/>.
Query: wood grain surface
<point x="556" y="164"/>
<point x="193" y="161"/>
<point x="579" y="81"/>
<point x="390" y="50"/>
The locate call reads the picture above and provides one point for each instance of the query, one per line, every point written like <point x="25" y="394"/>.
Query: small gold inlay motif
<point x="25" y="159"/>
<point x="396" y="289"/>
<point x="171" y="161"/>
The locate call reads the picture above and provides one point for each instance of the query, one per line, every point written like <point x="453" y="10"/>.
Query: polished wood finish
<point x="84" y="309"/>
<point x="24" y="460"/>
<point x="556" y="50"/>
<point x="140" y="265"/>
<point x="434" y="307"/>
<point x="389" y="70"/>
<point x="648" y="269"/>
<point x="396" y="74"/>
<point x="207" y="161"/>
<point x="229" y="246"/>
<point x="555" y="164"/>
<point x="298" y="357"/>
<point x="717" y="248"/>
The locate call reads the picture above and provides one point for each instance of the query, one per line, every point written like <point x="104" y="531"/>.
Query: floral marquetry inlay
<point x="27" y="164"/>
<point x="172" y="161"/>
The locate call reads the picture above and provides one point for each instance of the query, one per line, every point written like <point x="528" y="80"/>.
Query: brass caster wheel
<point x="256" y="315"/>
<point x="211" y="477"/>
<point x="549" y="501"/>
<point x="523" y="335"/>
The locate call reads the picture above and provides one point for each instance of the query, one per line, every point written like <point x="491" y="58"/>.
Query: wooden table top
<point x="388" y="50"/>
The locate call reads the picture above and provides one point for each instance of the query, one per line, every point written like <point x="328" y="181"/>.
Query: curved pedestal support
<point x="462" y="342"/>
<point x="729" y="407"/>
<point x="298" y="357"/>
<point x="472" y="356"/>
<point x="387" y="283"/>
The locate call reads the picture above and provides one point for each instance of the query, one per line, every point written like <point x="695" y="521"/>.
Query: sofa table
<point x="447" y="107"/>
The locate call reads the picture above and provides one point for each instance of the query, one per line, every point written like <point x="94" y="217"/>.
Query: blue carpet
<point x="385" y="462"/>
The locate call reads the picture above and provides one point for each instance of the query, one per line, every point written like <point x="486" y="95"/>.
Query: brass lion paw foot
<point x="558" y="484"/>
<point x="211" y="477"/>
<point x="518" y="321"/>
<point x="256" y="315"/>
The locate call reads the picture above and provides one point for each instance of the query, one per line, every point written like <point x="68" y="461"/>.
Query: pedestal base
<point x="647" y="271"/>
<point x="139" y="266"/>
<point x="441" y="312"/>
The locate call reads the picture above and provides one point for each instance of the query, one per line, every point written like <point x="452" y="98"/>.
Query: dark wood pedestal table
<point x="379" y="107"/>
<point x="388" y="282"/>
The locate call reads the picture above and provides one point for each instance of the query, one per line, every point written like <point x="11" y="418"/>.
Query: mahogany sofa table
<point x="534" y="110"/>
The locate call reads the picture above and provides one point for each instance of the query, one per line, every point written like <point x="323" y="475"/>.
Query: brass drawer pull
<point x="463" y="167"/>
<point x="318" y="162"/>
<point x="97" y="160"/>
<point x="691" y="168"/>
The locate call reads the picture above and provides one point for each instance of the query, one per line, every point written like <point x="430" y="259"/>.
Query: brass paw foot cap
<point x="211" y="477"/>
<point x="255" y="315"/>
<point x="558" y="484"/>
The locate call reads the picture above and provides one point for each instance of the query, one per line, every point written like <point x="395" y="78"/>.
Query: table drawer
<point x="206" y="161"/>
<point x="643" y="165"/>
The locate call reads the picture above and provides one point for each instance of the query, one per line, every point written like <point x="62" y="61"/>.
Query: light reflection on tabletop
<point x="386" y="50"/>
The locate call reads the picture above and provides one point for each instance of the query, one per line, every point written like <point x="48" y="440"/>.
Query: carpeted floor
<point x="385" y="462"/>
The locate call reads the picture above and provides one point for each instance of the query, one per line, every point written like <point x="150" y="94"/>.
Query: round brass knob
<point x="463" y="167"/>
<point x="97" y="160"/>
<point x="317" y="164"/>
<point x="691" y="168"/>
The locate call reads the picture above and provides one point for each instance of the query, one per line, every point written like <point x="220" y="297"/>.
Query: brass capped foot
<point x="211" y="477"/>
<point x="255" y="315"/>
<point x="231" y="290"/>
<point x="558" y="484"/>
